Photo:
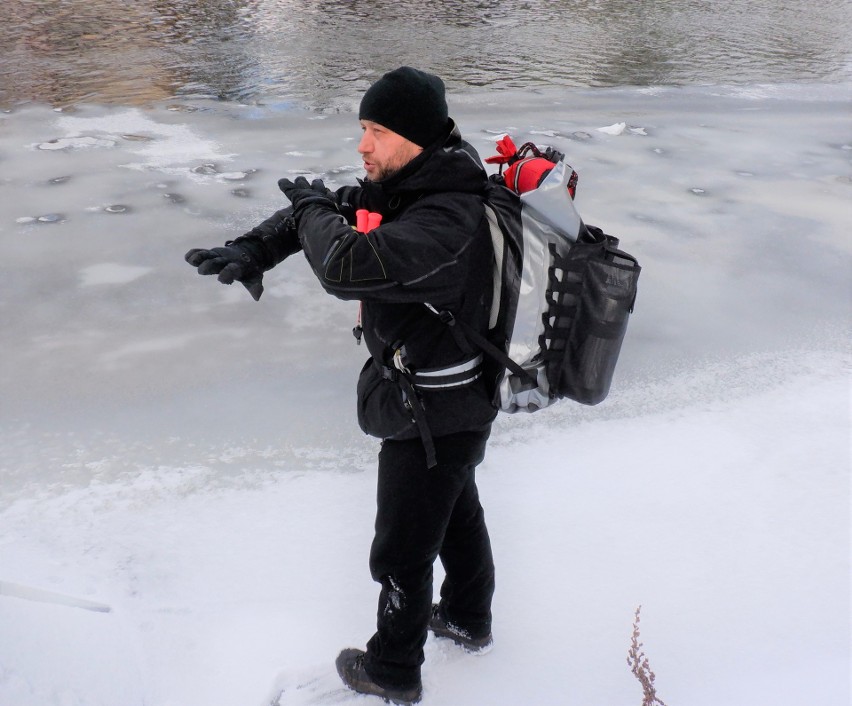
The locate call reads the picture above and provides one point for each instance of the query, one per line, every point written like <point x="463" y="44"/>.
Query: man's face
<point x="384" y="152"/>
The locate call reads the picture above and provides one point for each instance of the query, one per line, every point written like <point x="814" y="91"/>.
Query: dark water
<point x="322" y="54"/>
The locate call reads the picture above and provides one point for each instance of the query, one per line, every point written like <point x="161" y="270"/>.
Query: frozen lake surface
<point x="190" y="458"/>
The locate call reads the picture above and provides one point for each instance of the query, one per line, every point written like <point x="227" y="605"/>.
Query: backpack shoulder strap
<point x="472" y="336"/>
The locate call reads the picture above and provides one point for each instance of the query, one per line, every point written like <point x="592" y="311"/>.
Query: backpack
<point x="563" y="290"/>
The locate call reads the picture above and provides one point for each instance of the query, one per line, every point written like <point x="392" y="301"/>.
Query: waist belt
<point x="457" y="375"/>
<point x="447" y="378"/>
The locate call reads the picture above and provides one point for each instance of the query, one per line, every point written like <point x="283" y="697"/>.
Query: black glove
<point x="302" y="194"/>
<point x="553" y="155"/>
<point x="232" y="262"/>
<point x="274" y="240"/>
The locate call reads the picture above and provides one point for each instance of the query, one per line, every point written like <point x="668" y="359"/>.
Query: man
<point x="423" y="390"/>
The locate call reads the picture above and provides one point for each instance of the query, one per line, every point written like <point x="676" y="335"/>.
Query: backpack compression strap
<point x="477" y="339"/>
<point x="416" y="408"/>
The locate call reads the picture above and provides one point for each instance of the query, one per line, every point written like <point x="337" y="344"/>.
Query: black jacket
<point x="432" y="247"/>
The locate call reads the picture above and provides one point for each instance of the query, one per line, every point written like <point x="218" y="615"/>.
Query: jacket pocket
<point x="381" y="410"/>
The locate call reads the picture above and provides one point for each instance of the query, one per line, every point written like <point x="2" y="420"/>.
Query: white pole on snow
<point x="28" y="593"/>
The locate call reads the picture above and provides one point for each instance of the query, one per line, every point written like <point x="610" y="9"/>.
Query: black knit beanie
<point x="409" y="102"/>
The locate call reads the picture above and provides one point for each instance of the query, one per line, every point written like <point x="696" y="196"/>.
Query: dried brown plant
<point x="641" y="669"/>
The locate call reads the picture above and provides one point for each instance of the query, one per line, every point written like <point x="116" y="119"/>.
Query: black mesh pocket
<point x="591" y="292"/>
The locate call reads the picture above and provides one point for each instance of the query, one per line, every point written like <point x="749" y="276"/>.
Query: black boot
<point x="478" y="644"/>
<point x="350" y="667"/>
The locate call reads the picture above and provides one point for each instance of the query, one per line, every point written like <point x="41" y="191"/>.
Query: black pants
<point x="425" y="513"/>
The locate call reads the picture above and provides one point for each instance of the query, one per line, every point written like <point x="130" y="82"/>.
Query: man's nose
<point x="365" y="145"/>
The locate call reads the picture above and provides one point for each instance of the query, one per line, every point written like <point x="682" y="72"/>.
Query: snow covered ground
<point x="186" y="503"/>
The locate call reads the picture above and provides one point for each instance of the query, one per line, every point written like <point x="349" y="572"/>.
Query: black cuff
<point x="273" y="240"/>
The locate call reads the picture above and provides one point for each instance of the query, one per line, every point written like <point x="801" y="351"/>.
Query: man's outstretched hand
<point x="303" y="194"/>
<point x="231" y="262"/>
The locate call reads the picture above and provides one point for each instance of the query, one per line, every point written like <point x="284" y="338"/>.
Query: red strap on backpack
<point x="525" y="173"/>
<point x="508" y="153"/>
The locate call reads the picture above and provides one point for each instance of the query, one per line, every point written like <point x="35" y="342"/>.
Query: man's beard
<point x="396" y="164"/>
<point x="386" y="173"/>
